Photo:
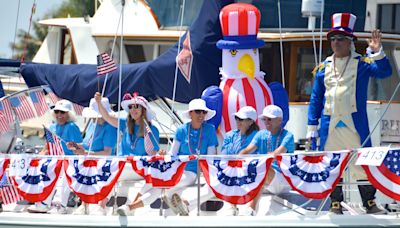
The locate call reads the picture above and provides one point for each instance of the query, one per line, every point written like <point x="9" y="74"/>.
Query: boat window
<point x="389" y="18"/>
<point x="139" y="52"/>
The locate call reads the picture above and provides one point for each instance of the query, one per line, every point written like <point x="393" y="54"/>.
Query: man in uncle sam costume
<point x="339" y="99"/>
<point x="242" y="82"/>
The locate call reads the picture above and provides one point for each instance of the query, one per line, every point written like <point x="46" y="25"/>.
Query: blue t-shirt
<point x="133" y="145"/>
<point x="69" y="132"/>
<point x="105" y="136"/>
<point x="234" y="142"/>
<point x="267" y="143"/>
<point x="200" y="140"/>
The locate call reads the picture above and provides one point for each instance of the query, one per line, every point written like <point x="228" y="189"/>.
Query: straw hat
<point x="93" y="110"/>
<point x="198" y="104"/>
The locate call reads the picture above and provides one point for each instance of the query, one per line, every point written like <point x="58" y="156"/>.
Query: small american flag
<point x="53" y="97"/>
<point x="39" y="102"/>
<point x="8" y="192"/>
<point x="22" y="108"/>
<point x="5" y="116"/>
<point x="148" y="144"/>
<point x="78" y="109"/>
<point x="105" y="64"/>
<point x="53" y="143"/>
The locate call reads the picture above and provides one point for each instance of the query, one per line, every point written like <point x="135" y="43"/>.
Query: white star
<point x="314" y="177"/>
<point x="248" y="180"/>
<point x="84" y="180"/>
<point x="237" y="181"/>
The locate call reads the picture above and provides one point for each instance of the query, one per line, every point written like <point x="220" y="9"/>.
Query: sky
<point x="8" y="12"/>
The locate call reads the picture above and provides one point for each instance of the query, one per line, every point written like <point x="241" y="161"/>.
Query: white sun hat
<point x="93" y="110"/>
<point x="247" y="112"/>
<point x="272" y="111"/>
<point x="198" y="104"/>
<point x="128" y="100"/>
<point x="63" y="105"/>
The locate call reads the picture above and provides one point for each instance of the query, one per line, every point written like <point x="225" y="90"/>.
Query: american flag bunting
<point x="78" y="109"/>
<point x="5" y="116"/>
<point x="8" y="192"/>
<point x="53" y="97"/>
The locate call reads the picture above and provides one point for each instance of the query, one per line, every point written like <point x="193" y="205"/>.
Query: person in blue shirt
<point x="238" y="139"/>
<point x="133" y="127"/>
<point x="194" y="137"/>
<point x="100" y="139"/>
<point x="68" y="131"/>
<point x="274" y="140"/>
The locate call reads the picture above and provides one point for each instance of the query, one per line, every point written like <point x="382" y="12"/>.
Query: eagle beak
<point x="246" y="65"/>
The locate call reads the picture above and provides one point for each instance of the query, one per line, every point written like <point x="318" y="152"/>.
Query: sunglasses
<point x="200" y="111"/>
<point x="59" y="111"/>
<point x="266" y="119"/>
<point x="338" y="38"/>
<point x="133" y="106"/>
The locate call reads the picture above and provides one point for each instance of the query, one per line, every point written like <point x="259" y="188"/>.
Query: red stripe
<point x="225" y="111"/>
<point x="258" y="18"/>
<point x="243" y="22"/>
<point x="248" y="93"/>
<point x="267" y="96"/>
<point x="224" y="23"/>
<point x="345" y="20"/>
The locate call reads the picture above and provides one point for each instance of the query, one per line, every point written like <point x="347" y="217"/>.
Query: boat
<point x="92" y="36"/>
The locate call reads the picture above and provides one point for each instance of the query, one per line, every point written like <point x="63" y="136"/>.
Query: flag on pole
<point x="8" y="192"/>
<point x="53" y="143"/>
<point x="22" y="108"/>
<point x="39" y="102"/>
<point x="105" y="64"/>
<point x="148" y="144"/>
<point x="5" y="116"/>
<point x="53" y="97"/>
<point x="78" y="109"/>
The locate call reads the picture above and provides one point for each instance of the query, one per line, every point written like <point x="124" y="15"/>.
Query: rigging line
<point x="314" y="44"/>
<point x="320" y="30"/>
<point x="281" y="44"/>
<point x="33" y="10"/>
<point x="179" y="48"/>
<point x="15" y="29"/>
<point x="120" y="76"/>
<point x="105" y="78"/>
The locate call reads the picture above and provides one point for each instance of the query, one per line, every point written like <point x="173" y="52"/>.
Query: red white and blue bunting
<point x="40" y="179"/>
<point x="313" y="176"/>
<point x="236" y="181"/>
<point x="92" y="179"/>
<point x="386" y="177"/>
<point x="163" y="171"/>
<point x="3" y="165"/>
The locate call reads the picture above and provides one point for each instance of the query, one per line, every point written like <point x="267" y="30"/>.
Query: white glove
<point x="312" y="131"/>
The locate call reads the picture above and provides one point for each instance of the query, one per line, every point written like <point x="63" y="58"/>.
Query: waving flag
<point x="5" y="116"/>
<point x="313" y="176"/>
<point x="40" y="179"/>
<point x="53" y="97"/>
<point x="8" y="192"/>
<point x="148" y="144"/>
<point x="53" y="143"/>
<point x="386" y="177"/>
<point x="105" y="64"/>
<point x="78" y="109"/>
<point x="3" y="165"/>
<point x="163" y="171"/>
<point x="39" y="102"/>
<point x="22" y="107"/>
<point x="92" y="179"/>
<point x="236" y="181"/>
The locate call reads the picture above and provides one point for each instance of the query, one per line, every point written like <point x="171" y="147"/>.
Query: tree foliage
<point x="32" y="41"/>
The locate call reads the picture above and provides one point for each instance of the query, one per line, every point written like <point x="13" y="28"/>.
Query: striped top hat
<point x="343" y="23"/>
<point x="239" y="23"/>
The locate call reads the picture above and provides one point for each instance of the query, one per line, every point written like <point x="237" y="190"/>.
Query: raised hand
<point x="97" y="97"/>
<point x="375" y="42"/>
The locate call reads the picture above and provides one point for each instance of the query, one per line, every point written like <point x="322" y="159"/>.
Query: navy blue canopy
<point x="78" y="82"/>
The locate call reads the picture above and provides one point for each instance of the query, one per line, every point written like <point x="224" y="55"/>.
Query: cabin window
<point x="139" y="52"/>
<point x="389" y="18"/>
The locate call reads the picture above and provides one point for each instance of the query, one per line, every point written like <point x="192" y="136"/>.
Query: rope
<point x="29" y="30"/>
<point x="320" y="31"/>
<point x="280" y="43"/>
